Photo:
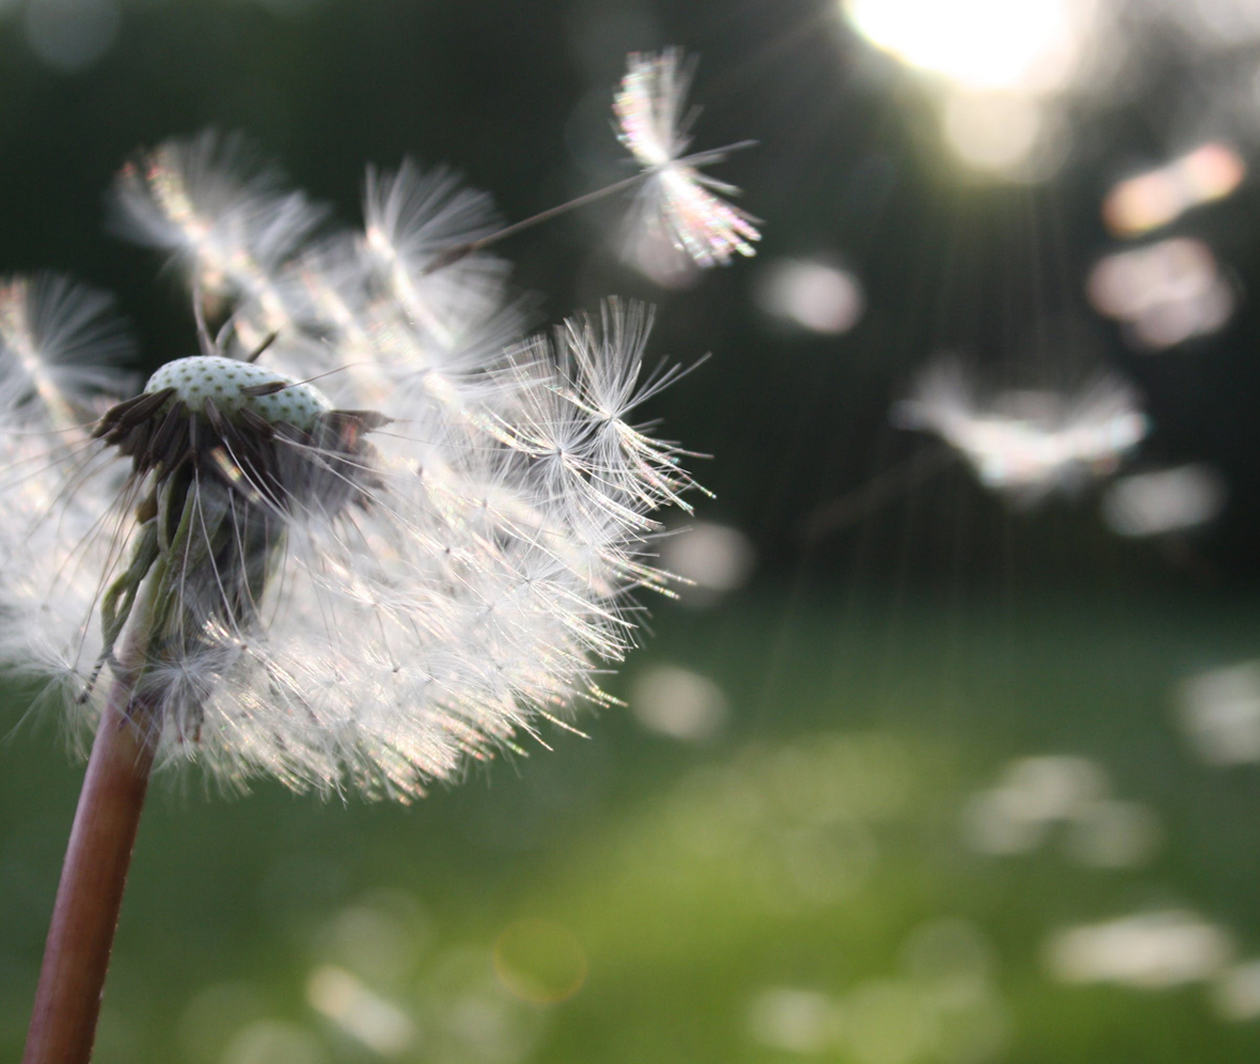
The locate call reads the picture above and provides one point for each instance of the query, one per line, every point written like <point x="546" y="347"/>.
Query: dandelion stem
<point x="76" y="955"/>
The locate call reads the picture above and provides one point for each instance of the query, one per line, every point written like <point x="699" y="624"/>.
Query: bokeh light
<point x="713" y="559"/>
<point x="1163" y="501"/>
<point x="1153" y="199"/>
<point x="814" y="296"/>
<point x="1035" y="46"/>
<point x="366" y="1016"/>
<point x="678" y="703"/>
<point x="1000" y="71"/>
<point x="1219" y="712"/>
<point x="1155" y="950"/>
<point x="1164" y="293"/>
<point x="540" y="960"/>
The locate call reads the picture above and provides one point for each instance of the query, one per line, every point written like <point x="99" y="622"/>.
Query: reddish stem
<point x="76" y="955"/>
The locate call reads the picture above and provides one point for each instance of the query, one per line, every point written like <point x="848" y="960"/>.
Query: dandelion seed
<point x="59" y="347"/>
<point x="677" y="200"/>
<point x="1027" y="444"/>
<point x="222" y="212"/>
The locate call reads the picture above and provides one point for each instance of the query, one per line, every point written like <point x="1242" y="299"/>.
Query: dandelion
<point x="678" y="200"/>
<point x="1027" y="444"/>
<point x="357" y="541"/>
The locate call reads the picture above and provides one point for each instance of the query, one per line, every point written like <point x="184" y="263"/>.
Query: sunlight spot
<point x="795" y="1020"/>
<point x="1005" y="134"/>
<point x="381" y="936"/>
<point x="815" y="296"/>
<point x="1220" y="714"/>
<point x="678" y="703"/>
<point x="1149" y="951"/>
<point x="540" y="961"/>
<point x="886" y="1023"/>
<point x="363" y="1014"/>
<point x="1164" y="500"/>
<point x="951" y="958"/>
<point x="1034" y="45"/>
<point x="1000" y="68"/>
<point x="1054" y="785"/>
<point x="273" y="1042"/>
<point x="1165" y="293"/>
<point x="997" y="822"/>
<point x="69" y="35"/>
<point x="713" y="558"/>
<point x="1113" y="834"/>
<point x="644" y="249"/>
<point x="1032" y="794"/>
<point x="1152" y="199"/>
<point x="468" y="1016"/>
<point x="819" y="866"/>
<point x="1236" y="992"/>
<point x="209" y="1017"/>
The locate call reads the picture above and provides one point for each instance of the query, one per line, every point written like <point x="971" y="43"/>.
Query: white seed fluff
<point x="356" y="587"/>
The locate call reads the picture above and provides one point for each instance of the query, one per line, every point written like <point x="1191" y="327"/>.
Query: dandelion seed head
<point x="399" y="541"/>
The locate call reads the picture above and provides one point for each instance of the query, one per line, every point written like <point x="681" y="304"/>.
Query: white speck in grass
<point x="1235" y="993"/>
<point x="886" y="1022"/>
<point x="794" y="1019"/>
<point x="1150" y="951"/>
<point x="368" y="1017"/>
<point x="274" y="1042"/>
<point x="1219" y="713"/>
<point x="1114" y="834"/>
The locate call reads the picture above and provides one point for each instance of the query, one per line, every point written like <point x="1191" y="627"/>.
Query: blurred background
<point x="950" y="753"/>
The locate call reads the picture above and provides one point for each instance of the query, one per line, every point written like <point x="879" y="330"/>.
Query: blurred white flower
<point x="355" y="586"/>
<point x="1219" y="712"/>
<point x="677" y="202"/>
<point x="1027" y="444"/>
<point x="1147" y="950"/>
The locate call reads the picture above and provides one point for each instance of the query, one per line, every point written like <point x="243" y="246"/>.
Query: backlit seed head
<point x="279" y="590"/>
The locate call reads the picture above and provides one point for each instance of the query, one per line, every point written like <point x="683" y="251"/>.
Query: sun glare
<point x="1034" y="46"/>
<point x="999" y="67"/>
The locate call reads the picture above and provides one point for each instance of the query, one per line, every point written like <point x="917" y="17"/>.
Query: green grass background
<point x="796" y="888"/>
